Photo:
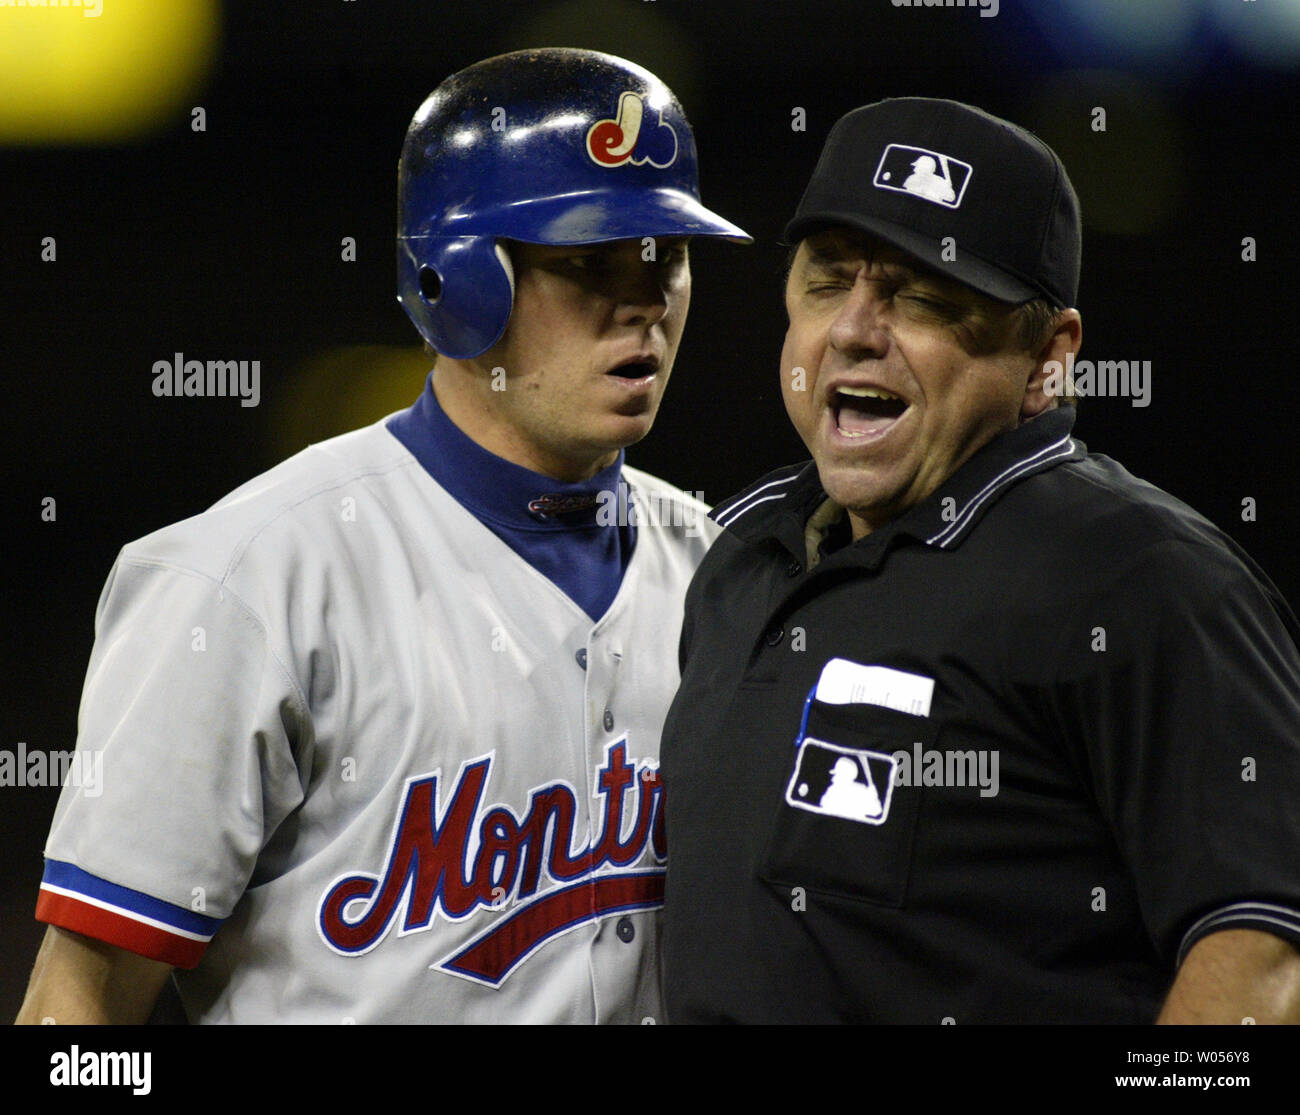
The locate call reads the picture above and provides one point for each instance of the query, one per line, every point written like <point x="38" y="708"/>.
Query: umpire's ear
<point x="1043" y="388"/>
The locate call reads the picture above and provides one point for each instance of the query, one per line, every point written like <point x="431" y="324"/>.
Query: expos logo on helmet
<point x="622" y="140"/>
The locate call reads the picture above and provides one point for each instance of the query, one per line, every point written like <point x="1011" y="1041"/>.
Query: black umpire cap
<point x="915" y="171"/>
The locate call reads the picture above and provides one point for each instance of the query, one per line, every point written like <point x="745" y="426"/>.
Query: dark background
<point x="225" y="244"/>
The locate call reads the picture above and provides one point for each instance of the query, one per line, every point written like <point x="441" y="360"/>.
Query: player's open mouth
<point x="635" y="369"/>
<point x="865" y="412"/>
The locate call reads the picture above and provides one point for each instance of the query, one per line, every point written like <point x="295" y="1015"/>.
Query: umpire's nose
<point x="858" y="331"/>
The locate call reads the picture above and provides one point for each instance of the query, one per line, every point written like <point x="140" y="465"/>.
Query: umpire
<point x="974" y="725"/>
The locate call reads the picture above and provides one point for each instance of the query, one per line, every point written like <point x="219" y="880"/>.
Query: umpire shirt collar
<point x="779" y="505"/>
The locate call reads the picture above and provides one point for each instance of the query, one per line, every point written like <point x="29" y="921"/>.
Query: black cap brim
<point x="996" y="282"/>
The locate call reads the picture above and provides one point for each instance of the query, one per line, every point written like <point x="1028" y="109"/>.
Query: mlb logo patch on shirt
<point x="921" y="173"/>
<point x="842" y="782"/>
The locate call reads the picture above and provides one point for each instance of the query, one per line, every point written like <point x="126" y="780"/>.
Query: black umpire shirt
<point x="1108" y="771"/>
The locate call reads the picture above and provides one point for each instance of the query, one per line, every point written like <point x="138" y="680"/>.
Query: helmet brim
<point x="595" y="217"/>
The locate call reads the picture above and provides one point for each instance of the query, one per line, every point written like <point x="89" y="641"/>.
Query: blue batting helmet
<point x="552" y="146"/>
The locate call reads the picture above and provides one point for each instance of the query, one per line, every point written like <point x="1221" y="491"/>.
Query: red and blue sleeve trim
<point x="83" y="903"/>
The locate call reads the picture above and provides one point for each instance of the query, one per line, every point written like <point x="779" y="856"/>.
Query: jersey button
<point x="626" y="930"/>
<point x="581" y="657"/>
<point x="774" y="635"/>
<point x="794" y="569"/>
<point x="609" y="721"/>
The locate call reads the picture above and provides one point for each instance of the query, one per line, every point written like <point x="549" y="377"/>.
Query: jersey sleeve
<point x="1179" y="690"/>
<point x="184" y="766"/>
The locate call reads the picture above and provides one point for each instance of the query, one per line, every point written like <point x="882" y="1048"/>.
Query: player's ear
<point x="1048" y="378"/>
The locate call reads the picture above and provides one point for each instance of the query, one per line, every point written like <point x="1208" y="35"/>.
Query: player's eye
<point x="665" y="255"/>
<point x="587" y="261"/>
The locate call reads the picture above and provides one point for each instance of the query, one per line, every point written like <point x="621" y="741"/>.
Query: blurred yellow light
<point x="99" y="71"/>
<point x="340" y="389"/>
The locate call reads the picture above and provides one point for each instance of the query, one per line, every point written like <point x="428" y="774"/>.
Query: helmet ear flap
<point x="457" y="290"/>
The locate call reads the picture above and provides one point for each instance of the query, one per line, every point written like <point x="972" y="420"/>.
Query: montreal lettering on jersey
<point x="431" y="867"/>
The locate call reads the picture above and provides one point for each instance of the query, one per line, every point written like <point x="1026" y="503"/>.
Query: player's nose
<point x="646" y="287"/>
<point x="643" y="301"/>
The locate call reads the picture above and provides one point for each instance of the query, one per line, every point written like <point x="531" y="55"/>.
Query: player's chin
<point x="622" y="430"/>
<point x="631" y="417"/>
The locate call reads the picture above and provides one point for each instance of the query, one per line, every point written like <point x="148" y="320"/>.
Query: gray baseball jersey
<point x="361" y="761"/>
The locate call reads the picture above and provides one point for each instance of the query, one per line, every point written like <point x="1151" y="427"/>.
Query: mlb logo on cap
<point x="928" y="174"/>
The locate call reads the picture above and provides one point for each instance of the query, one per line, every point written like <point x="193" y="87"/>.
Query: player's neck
<point x="462" y="401"/>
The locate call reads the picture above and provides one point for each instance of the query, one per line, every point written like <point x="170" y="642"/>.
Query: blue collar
<point x="495" y="490"/>
<point x="555" y="526"/>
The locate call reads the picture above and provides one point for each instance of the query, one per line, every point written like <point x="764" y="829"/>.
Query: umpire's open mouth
<point x="865" y="412"/>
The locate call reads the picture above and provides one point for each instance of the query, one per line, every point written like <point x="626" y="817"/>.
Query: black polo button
<point x="581" y="657"/>
<point x="794" y="569"/>
<point x="626" y="930"/>
<point x="609" y="721"/>
<point x="774" y="636"/>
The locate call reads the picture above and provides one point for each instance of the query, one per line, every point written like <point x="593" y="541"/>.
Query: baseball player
<point x="379" y="729"/>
